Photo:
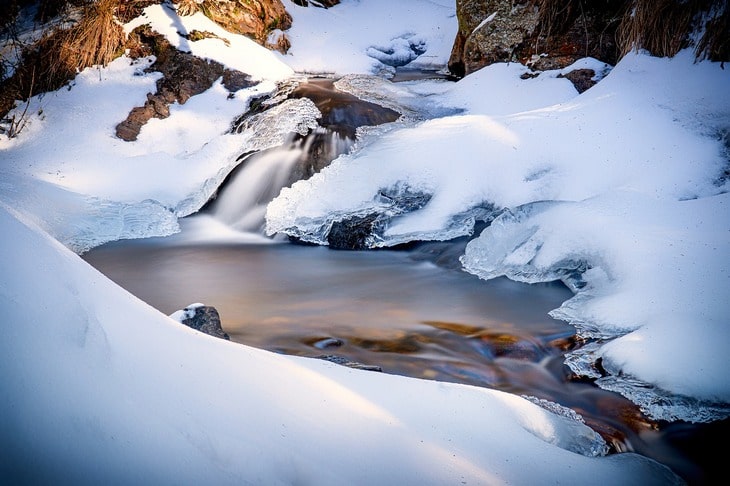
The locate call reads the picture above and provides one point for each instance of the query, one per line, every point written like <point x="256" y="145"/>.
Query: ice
<point x="83" y="222"/>
<point x="590" y="444"/>
<point x="400" y="51"/>
<point x="632" y="279"/>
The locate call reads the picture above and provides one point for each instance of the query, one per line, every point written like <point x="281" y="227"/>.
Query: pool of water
<point x="396" y="311"/>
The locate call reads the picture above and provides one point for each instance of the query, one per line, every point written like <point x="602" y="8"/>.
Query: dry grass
<point x="556" y="16"/>
<point x="664" y="27"/>
<point x="659" y="26"/>
<point x="96" y="39"/>
<point x="188" y="7"/>
<point x="715" y="42"/>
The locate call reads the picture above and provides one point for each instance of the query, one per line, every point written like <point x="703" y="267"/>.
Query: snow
<point x="620" y="191"/>
<point x="98" y="387"/>
<point x="362" y="37"/>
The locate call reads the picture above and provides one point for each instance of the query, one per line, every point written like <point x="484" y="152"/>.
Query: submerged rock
<point x="340" y="360"/>
<point x="203" y="318"/>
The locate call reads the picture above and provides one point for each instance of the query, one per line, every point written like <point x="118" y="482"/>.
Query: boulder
<point x="183" y="76"/>
<point x="543" y="34"/>
<point x="203" y="318"/>
<point x="490" y="31"/>
<point x="253" y="18"/>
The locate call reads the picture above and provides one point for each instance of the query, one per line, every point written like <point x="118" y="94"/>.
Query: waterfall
<point x="242" y="199"/>
<point x="241" y="203"/>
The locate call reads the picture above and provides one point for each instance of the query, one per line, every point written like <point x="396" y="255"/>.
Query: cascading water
<point x="242" y="206"/>
<point x="243" y="197"/>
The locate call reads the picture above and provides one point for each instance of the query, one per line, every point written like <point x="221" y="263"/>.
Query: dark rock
<point x="236" y="80"/>
<point x="544" y="34"/>
<point x="328" y="343"/>
<point x="316" y="3"/>
<point x="342" y="112"/>
<point x="346" y="362"/>
<point x="183" y="76"/>
<point x="582" y="79"/>
<point x="352" y="233"/>
<point x="202" y="318"/>
<point x="480" y="42"/>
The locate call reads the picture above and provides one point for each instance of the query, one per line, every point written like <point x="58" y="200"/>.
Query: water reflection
<point x="388" y="310"/>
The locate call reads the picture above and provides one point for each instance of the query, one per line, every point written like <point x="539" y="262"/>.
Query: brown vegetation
<point x="661" y="27"/>
<point x="664" y="27"/>
<point x="95" y="39"/>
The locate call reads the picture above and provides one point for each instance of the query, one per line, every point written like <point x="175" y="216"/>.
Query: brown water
<point x="395" y="311"/>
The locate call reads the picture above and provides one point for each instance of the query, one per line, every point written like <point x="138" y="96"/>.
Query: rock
<point x="253" y="18"/>
<point x="316" y="3"/>
<point x="346" y="362"/>
<point x="490" y="31"/>
<point x="544" y="34"/>
<point x="183" y="76"/>
<point x="352" y="233"/>
<point x="202" y="318"/>
<point x="582" y="79"/>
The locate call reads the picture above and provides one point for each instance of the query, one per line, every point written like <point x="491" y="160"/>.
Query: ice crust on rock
<point x="400" y="51"/>
<point x="589" y="444"/>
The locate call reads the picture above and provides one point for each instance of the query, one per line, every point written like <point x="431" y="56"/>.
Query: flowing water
<point x="411" y="311"/>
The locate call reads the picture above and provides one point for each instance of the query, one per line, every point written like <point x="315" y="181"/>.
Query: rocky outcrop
<point x="490" y="31"/>
<point x="256" y="19"/>
<point x="202" y="318"/>
<point x="543" y="34"/>
<point x="183" y="76"/>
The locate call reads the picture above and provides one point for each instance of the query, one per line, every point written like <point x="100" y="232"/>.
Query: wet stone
<point x="346" y="362"/>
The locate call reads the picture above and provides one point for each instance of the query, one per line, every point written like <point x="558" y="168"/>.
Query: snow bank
<point x="371" y="37"/>
<point x="99" y="387"/>
<point x="232" y="50"/>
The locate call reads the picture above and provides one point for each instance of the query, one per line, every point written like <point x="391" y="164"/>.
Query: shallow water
<point x="392" y="310"/>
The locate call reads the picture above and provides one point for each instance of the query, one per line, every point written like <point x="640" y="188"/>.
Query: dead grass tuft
<point x="188" y="7"/>
<point x="96" y="39"/>
<point x="664" y="27"/>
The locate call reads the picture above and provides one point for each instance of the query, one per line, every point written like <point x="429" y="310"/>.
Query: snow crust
<point x="357" y="37"/>
<point x="232" y="50"/>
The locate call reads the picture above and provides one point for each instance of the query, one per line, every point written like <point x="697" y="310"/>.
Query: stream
<point x="409" y="311"/>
